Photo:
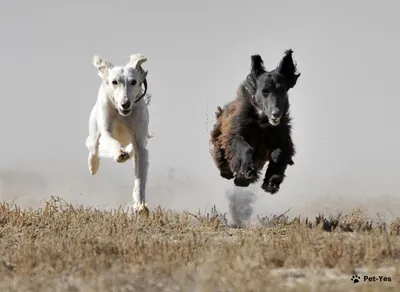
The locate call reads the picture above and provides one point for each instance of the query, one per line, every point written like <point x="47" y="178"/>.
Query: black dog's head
<point x="271" y="87"/>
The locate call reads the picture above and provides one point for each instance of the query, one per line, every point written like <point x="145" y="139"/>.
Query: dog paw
<point x="241" y="182"/>
<point x="129" y="149"/>
<point x="272" y="185"/>
<point x="226" y="175"/>
<point x="141" y="209"/>
<point x="249" y="174"/>
<point x="123" y="156"/>
<point x="93" y="163"/>
<point x="242" y="165"/>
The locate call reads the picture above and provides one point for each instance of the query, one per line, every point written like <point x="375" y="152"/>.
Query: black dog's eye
<point x="115" y="82"/>
<point x="133" y="82"/>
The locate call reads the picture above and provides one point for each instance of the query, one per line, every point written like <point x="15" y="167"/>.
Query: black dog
<point x="256" y="126"/>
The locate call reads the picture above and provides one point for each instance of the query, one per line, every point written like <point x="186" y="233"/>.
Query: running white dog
<point x="119" y="120"/>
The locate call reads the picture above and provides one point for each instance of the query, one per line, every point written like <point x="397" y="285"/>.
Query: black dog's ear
<point x="257" y="66"/>
<point x="288" y="69"/>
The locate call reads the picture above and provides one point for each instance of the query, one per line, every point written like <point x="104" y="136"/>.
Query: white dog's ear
<point x="102" y="65"/>
<point x="137" y="60"/>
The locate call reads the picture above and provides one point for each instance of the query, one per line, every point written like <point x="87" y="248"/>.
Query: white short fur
<point x="119" y="132"/>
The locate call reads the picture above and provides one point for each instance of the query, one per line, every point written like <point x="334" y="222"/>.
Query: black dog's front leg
<point x="242" y="162"/>
<point x="222" y="163"/>
<point x="275" y="173"/>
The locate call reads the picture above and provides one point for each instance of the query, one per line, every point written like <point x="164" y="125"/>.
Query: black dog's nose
<point x="126" y="105"/>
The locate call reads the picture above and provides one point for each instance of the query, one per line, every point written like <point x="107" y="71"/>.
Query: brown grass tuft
<point x="65" y="248"/>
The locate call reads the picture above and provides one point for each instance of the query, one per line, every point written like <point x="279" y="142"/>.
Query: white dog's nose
<point x="126" y="105"/>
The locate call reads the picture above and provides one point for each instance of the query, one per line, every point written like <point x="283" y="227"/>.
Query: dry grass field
<point x="63" y="248"/>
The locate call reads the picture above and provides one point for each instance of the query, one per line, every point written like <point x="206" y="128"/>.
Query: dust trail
<point x="22" y="187"/>
<point x="240" y="205"/>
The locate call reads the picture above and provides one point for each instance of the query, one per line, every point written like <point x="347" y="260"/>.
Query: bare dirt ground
<point x="60" y="247"/>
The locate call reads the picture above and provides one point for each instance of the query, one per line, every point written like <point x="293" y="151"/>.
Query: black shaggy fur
<point x="256" y="127"/>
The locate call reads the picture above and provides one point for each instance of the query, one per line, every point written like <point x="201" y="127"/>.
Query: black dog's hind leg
<point x="280" y="158"/>
<point x="218" y="154"/>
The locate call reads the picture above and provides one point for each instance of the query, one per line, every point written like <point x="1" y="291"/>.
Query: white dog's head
<point x="123" y="82"/>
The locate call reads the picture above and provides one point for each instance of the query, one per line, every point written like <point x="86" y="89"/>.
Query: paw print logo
<point x="355" y="279"/>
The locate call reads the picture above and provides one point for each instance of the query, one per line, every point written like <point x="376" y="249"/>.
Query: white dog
<point x="118" y="123"/>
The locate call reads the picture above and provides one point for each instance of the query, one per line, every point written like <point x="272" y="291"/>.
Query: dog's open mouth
<point x="275" y="121"/>
<point x="125" y="112"/>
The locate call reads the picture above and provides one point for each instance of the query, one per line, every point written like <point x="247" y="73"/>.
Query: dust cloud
<point x="344" y="106"/>
<point x="240" y="206"/>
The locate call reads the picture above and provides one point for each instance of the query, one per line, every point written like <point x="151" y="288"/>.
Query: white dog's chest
<point x="122" y="132"/>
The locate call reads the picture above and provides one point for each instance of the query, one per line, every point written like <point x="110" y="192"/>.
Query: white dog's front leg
<point x="114" y="147"/>
<point x="92" y="143"/>
<point x="141" y="165"/>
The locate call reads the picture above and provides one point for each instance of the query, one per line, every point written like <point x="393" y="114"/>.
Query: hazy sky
<point x="344" y="106"/>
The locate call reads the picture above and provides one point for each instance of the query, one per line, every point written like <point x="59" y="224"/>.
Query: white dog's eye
<point x="115" y="82"/>
<point x="133" y="82"/>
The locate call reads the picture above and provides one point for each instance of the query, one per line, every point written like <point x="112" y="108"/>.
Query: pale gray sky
<point x="344" y="106"/>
